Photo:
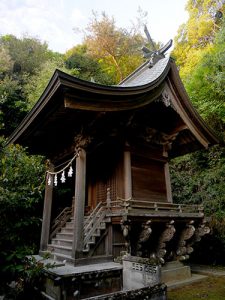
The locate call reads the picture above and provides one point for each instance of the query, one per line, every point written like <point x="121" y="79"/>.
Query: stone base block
<point x="175" y="271"/>
<point x="139" y="273"/>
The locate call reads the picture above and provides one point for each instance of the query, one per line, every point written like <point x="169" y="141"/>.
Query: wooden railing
<point x="94" y="224"/>
<point x="149" y="206"/>
<point x="122" y="206"/>
<point x="88" y="220"/>
<point x="60" y="221"/>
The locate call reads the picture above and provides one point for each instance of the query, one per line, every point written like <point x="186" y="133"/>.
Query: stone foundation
<point x="68" y="282"/>
<point x="136" y="279"/>
<point x="157" y="292"/>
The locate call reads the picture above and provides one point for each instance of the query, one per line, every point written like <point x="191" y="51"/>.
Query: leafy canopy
<point x="196" y="37"/>
<point x="117" y="50"/>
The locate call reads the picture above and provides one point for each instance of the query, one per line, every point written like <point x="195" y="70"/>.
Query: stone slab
<point x="207" y="270"/>
<point x="179" y="283"/>
<point x="64" y="270"/>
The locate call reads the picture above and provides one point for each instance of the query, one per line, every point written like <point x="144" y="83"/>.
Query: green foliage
<point x="6" y="63"/>
<point x="19" y="60"/>
<point x="12" y="104"/>
<point x="116" y="49"/>
<point x="21" y="192"/>
<point x="87" y="67"/>
<point x="206" y="85"/>
<point x="27" y="53"/>
<point x="197" y="35"/>
<point x="30" y="279"/>
<point x="199" y="179"/>
<point x="35" y="85"/>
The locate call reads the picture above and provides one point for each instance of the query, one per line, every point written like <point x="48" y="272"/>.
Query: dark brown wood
<point x="148" y="178"/>
<point x="127" y="175"/>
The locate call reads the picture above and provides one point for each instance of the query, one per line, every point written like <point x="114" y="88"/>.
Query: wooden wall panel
<point x="102" y="169"/>
<point x="148" y="180"/>
<point x="101" y="189"/>
<point x="118" y="242"/>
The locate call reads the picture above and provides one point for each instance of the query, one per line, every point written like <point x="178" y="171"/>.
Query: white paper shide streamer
<point x="52" y="177"/>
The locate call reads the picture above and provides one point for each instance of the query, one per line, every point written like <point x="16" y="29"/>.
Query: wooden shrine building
<point x="108" y="191"/>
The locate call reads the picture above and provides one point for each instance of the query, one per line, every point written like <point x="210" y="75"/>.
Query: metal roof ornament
<point x="155" y="55"/>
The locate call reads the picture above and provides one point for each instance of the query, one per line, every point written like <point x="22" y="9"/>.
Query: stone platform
<point x="132" y="280"/>
<point x="135" y="279"/>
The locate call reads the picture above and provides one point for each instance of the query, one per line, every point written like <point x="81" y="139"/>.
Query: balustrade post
<point x="46" y="219"/>
<point x="108" y="199"/>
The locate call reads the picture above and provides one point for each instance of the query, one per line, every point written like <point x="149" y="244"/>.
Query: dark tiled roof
<point x="145" y="75"/>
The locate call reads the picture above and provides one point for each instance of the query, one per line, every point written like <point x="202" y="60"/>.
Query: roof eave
<point x="61" y="80"/>
<point x="194" y="116"/>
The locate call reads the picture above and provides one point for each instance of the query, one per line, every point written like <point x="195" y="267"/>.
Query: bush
<point x="21" y="192"/>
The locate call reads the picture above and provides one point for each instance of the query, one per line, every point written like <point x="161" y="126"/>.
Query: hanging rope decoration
<point x="53" y="176"/>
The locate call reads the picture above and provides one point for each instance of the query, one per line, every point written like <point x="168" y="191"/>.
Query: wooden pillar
<point x="127" y="175"/>
<point x="108" y="240"/>
<point x="167" y="175"/>
<point x="80" y="186"/>
<point x="168" y="183"/>
<point x="46" y="219"/>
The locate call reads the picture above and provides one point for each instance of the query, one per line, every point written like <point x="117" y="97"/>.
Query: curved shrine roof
<point x="69" y="103"/>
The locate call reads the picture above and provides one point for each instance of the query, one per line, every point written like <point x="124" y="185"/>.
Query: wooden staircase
<point x="94" y="227"/>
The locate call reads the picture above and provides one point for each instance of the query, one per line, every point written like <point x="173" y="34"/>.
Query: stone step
<point x="92" y="239"/>
<point x="86" y="249"/>
<point x="107" y="220"/>
<point x="66" y="230"/>
<point x="69" y="225"/>
<point x="62" y="242"/>
<point x="60" y="249"/>
<point x="64" y="236"/>
<point x="179" y="283"/>
<point x="102" y="226"/>
<point x="96" y="234"/>
<point x="62" y="257"/>
<point x="72" y="218"/>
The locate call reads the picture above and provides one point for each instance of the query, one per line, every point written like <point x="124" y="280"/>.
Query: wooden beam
<point x="178" y="129"/>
